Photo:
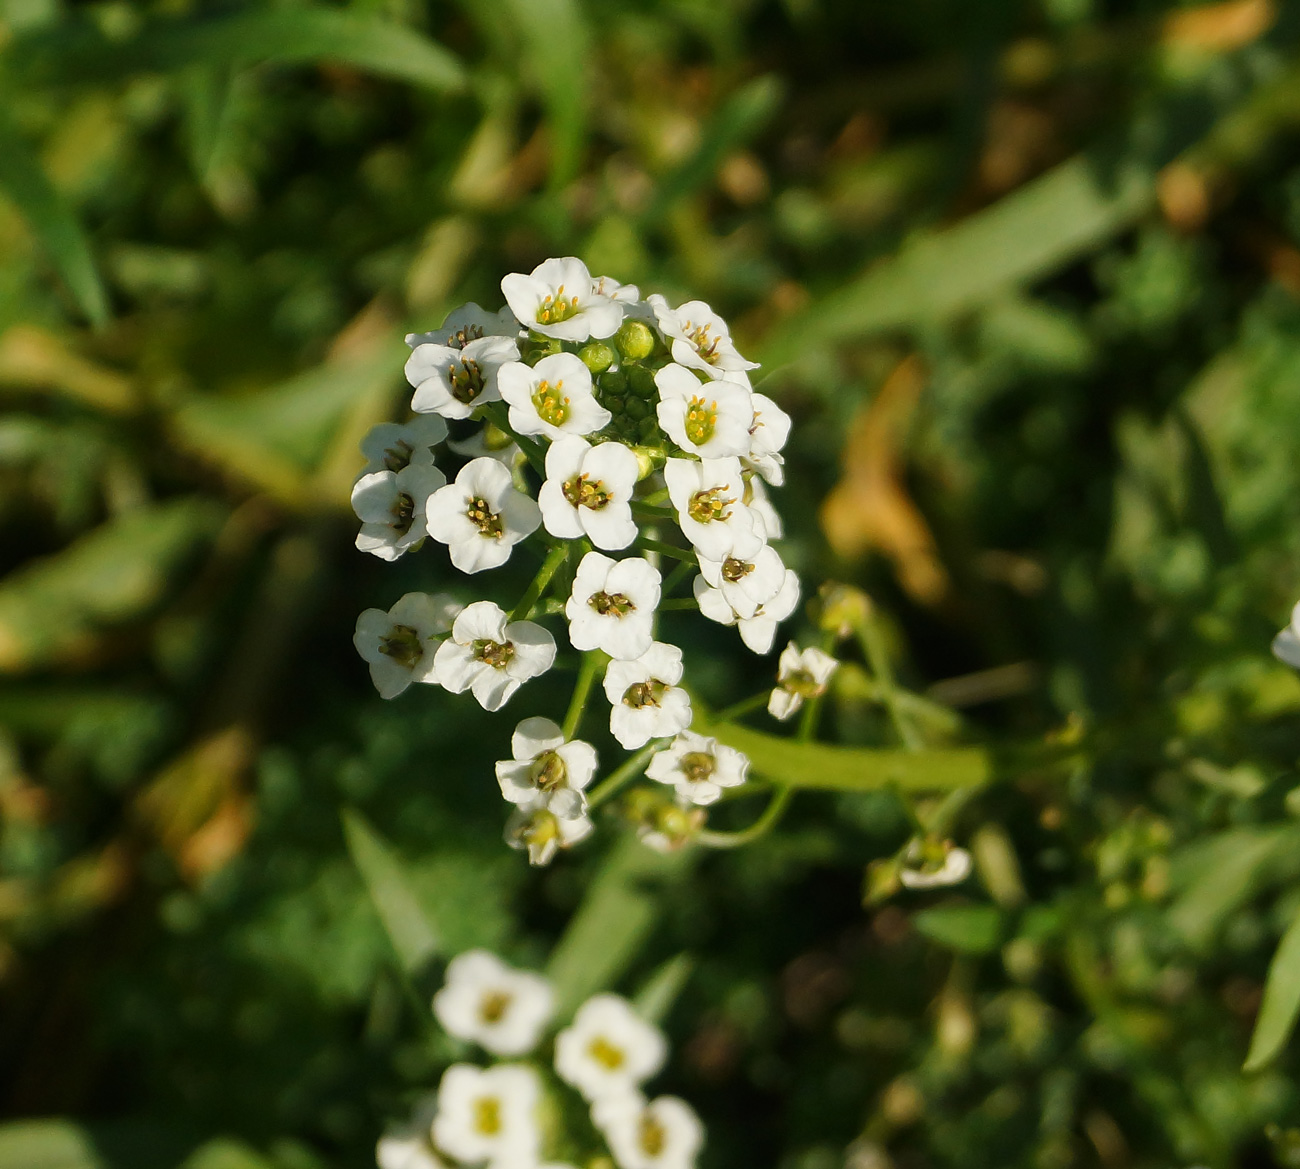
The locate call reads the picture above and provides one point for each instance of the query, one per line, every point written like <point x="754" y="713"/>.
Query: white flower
<point x="400" y="644"/>
<point x="407" y="1146"/>
<point x="491" y="655"/>
<point x="933" y="865"/>
<point x="662" y="1134"/>
<point x="701" y="339"/>
<point x="484" y="1001"/>
<point x="612" y="605"/>
<point x="1286" y="645"/>
<point x="626" y="294"/>
<point x="707" y="496"/>
<point x="710" y="420"/>
<point x="390" y="506"/>
<point x="488" y="443"/>
<point x="481" y="516"/>
<point x="535" y="827"/>
<point x="758" y="502"/>
<point x="558" y="299"/>
<point x="767" y="435"/>
<point x="546" y="771"/>
<point x="754" y="594"/>
<point x="588" y="492"/>
<point x="698" y="767"/>
<point x="465" y="324"/>
<point x="799" y="676"/>
<point x="455" y="382"/>
<point x="488" y="1115"/>
<point x="390" y="446"/>
<point x="553" y="397"/>
<point x="647" y="702"/>
<point x="608" y="1050"/>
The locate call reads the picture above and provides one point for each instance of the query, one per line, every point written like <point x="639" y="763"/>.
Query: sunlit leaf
<point x="1281" y="1004"/>
<point x="656" y="996"/>
<point x="223" y="1153"/>
<point x="47" y="1144"/>
<point x="971" y="929"/>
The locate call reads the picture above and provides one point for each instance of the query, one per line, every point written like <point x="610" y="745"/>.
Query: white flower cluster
<point x="614" y="432"/>
<point x="1286" y="645"/>
<point x="493" y="1116"/>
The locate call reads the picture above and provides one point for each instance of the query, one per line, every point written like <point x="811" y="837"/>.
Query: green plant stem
<point x="658" y="497"/>
<point x="759" y="828"/>
<point x="743" y="707"/>
<point x="640" y="507"/>
<point x="623" y="776"/>
<point x="663" y="549"/>
<point x="680" y="603"/>
<point x="873" y="649"/>
<point x="674" y="578"/>
<point x="581" y="690"/>
<point x="495" y="412"/>
<point x="554" y="558"/>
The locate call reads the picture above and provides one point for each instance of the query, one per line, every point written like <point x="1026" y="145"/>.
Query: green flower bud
<point x="635" y="340"/>
<point x="642" y="382"/>
<point x="597" y="356"/>
<point x="611" y="382"/>
<point x="613" y="403"/>
<point x="649" y="431"/>
<point x="637" y="408"/>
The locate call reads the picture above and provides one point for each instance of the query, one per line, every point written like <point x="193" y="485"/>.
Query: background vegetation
<point x="1027" y="274"/>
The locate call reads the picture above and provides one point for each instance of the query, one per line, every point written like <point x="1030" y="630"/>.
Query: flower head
<point x="534" y="827"/>
<point x="767" y="435"/>
<point x="708" y="497"/>
<point x="455" y="382"/>
<point x="392" y="447"/>
<point x="559" y="299"/>
<point x="662" y="1134"/>
<point x="588" y="492"/>
<point x="553" y="397"/>
<point x="608" y="1049"/>
<point x="400" y="645"/>
<point x="711" y="420"/>
<point x="698" y="767"/>
<point x="701" y="340"/>
<point x="481" y="516"/>
<point x="799" y="675"/>
<point x="933" y="864"/>
<point x="488" y="1115"/>
<point x="547" y="771"/>
<point x="391" y="508"/>
<point x="484" y="1001"/>
<point x="1286" y="645"/>
<point x="646" y="701"/>
<point x="754" y="594"/>
<point x="612" y="605"/>
<point x="492" y="656"/>
<point x="465" y="324"/>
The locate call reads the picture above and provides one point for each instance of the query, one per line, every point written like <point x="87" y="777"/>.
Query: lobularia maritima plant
<point x="608" y="423"/>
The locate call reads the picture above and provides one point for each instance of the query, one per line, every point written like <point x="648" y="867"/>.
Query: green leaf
<point x="972" y="929"/>
<point x="47" y="1144"/>
<point x="656" y="997"/>
<point x="614" y="920"/>
<point x="1281" y="1004"/>
<point x="51" y="220"/>
<point x="223" y="1153"/>
<point x="404" y="919"/>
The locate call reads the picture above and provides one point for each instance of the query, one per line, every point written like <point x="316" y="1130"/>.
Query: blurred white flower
<point x="698" y="767"/>
<point x="799" y="676"/>
<point x="934" y="864"/>
<point x="1286" y="645"/>
<point x="400" y="645"/>
<point x="626" y="294"/>
<point x="612" y="605"/>
<point x="488" y="1115"/>
<point x="492" y="656"/>
<point x="756" y="498"/>
<point x="559" y="299"/>
<point x="608" y="1049"/>
<point x="754" y="594"/>
<point x="767" y="435"/>
<point x="553" y="397"/>
<point x="390" y="446"/>
<point x="662" y="1134"/>
<point x="535" y="827"/>
<point x="481" y="516"/>
<point x="408" y="1146"/>
<point x="710" y="420"/>
<point x="465" y="324"/>
<point x="701" y="340"/>
<point x="391" y="508"/>
<point x="588" y="492"/>
<point x="488" y="443"/>
<point x="487" y="1002"/>
<point x="455" y="382"/>
<point x="707" y="495"/>
<point x="546" y="771"/>
<point x="646" y="702"/>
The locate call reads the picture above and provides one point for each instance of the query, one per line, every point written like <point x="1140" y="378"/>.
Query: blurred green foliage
<point x="1027" y="274"/>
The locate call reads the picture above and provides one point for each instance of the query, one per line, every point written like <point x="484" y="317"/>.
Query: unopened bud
<point x="842" y="609"/>
<point x="635" y="340"/>
<point x="642" y="382"/>
<point x="597" y="356"/>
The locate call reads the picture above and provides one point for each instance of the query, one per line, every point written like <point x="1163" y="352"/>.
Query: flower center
<point x="651" y="1135"/>
<point x="612" y="604"/>
<point x="484" y="518"/>
<point x="582" y="492"/>
<point x="605" y="1053"/>
<point x="706" y="347"/>
<point x="398" y="456"/>
<point x="734" y="571"/>
<point x="462" y="337"/>
<point x="641" y="694"/>
<point x="493" y="1007"/>
<point x="402" y="645"/>
<point x="697" y="766"/>
<point x="551" y="402"/>
<point x="497" y="654"/>
<point x="701" y="420"/>
<point x="548" y="771"/>
<point x="403" y="513"/>
<point x="466" y="380"/>
<point x="487" y="1116"/>
<point x="557" y="308"/>
<point x="708" y="506"/>
<point x="803" y="683"/>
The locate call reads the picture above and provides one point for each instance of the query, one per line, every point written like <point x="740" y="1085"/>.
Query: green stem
<point x="674" y="578"/>
<point x="763" y="825"/>
<point x="743" y="707"/>
<point x="649" y="545"/>
<point x="873" y="648"/>
<point x="496" y="413"/>
<point x="658" y="497"/>
<point x="554" y="558"/>
<point x="680" y="603"/>
<point x="591" y="663"/>
<point x="623" y="776"/>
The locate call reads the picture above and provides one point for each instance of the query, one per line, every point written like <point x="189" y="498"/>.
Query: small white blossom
<point x="465" y="324"/>
<point x="767" y="435"/>
<point x="588" y="492"/>
<point x="754" y="594"/>
<point x="757" y="499"/>
<point x="934" y="865"/>
<point x="628" y="295"/>
<point x="646" y="701"/>
<point x="612" y="605"/>
<point x="608" y="1050"/>
<point x="455" y="382"/>
<point x="1286" y="645"/>
<point x="391" y="508"/>
<point x="546" y="771"/>
<point x="492" y="656"/>
<point x="488" y="1115"/>
<point x="662" y="1134"/>
<point x="559" y="299"/>
<point x="488" y="443"/>
<point x="391" y="446"/>
<point x="407" y="1146"/>
<point x="710" y="420"/>
<point x="799" y="676"/>
<point x="487" y="1002"/>
<point x="701" y="340"/>
<point x="698" y="767"/>
<point x="553" y="397"/>
<point x="481" y="516"/>
<point x="400" y="645"/>
<point x="535" y="827"/>
<point x="707" y="495"/>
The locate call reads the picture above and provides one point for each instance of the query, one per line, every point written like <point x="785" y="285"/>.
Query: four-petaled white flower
<point x="711" y="420"/>
<point x="608" y="1050"/>
<point x="660" y="1134"/>
<point x="1286" y="645"/>
<point x="455" y="382"/>
<point x="754" y="594"/>
<point x="708" y="497"/>
<point x="407" y="1146"/>
<point x="553" y="397"/>
<point x="481" y="516"/>
<point x="559" y="299"/>
<point x="465" y="324"/>
<point x="698" y="767"/>
<point x="612" y="605"/>
<point x="491" y="655"/>
<point x="588" y="492"/>
<point x="646" y="702"/>
<point x="534" y="827"/>
<point x="391" y="508"/>
<point x="760" y="504"/>
<point x="400" y="645"/>
<point x="799" y="676"/>
<point x="933" y="864"/>
<point x="767" y="435"/>
<point x="701" y="340"/>
<point x="391" y="446"/>
<point x="488" y="1115"/>
<point x="546" y="771"/>
<point x="484" y="1001"/>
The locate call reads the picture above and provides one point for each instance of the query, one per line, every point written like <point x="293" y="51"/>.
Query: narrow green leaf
<point x="404" y="919"/>
<point x="656" y="997"/>
<point x="224" y="1153"/>
<point x="972" y="929"/>
<point x="47" y="1144"/>
<point x="1281" y="1004"/>
<point x="51" y="220"/>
